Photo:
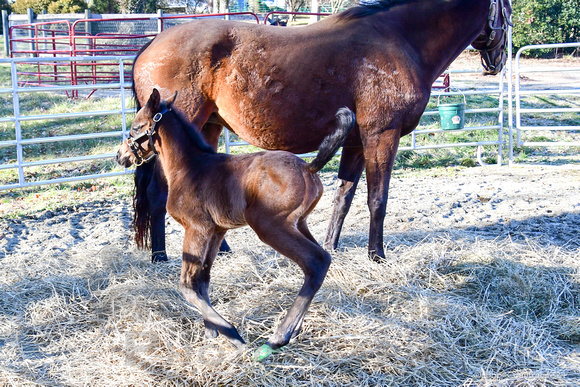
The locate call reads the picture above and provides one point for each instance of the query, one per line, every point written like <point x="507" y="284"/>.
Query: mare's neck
<point x="438" y="30"/>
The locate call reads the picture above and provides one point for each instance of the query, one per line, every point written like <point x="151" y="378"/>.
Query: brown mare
<point x="277" y="87"/>
<point x="210" y="193"/>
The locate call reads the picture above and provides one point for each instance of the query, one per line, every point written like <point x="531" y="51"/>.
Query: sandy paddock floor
<point x="481" y="286"/>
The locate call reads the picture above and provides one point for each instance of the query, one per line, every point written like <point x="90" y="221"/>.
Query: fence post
<point x="5" y="27"/>
<point x="159" y="21"/>
<point x="30" y="14"/>
<point x="314" y="8"/>
<point x="88" y="15"/>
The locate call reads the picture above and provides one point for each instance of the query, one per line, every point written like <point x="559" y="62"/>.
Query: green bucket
<point x="452" y="115"/>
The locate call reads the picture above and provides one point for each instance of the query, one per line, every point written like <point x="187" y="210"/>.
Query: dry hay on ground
<point x="480" y="287"/>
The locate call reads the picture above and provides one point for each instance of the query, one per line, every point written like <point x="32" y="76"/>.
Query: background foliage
<point x="50" y="6"/>
<point x="545" y="21"/>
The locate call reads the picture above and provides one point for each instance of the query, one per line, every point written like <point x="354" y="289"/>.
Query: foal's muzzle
<point x="123" y="157"/>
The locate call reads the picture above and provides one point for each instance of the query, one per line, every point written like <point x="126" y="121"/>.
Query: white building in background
<point x="275" y="3"/>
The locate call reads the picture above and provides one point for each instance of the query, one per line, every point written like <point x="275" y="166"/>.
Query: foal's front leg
<point x="199" y="253"/>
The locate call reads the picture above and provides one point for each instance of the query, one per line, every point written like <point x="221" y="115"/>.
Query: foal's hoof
<point x="330" y="246"/>
<point x="211" y="331"/>
<point x="262" y="353"/>
<point x="159" y="256"/>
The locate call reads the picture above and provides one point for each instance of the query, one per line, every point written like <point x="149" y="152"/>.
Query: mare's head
<point x="492" y="40"/>
<point x="139" y="148"/>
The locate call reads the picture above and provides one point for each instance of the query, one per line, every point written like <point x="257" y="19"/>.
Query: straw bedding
<point x="480" y="287"/>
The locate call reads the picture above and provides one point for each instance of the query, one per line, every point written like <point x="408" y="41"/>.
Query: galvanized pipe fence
<point x="18" y="117"/>
<point x="502" y="91"/>
<point x="524" y="120"/>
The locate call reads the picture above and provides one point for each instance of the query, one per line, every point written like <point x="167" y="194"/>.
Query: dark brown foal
<point x="210" y="193"/>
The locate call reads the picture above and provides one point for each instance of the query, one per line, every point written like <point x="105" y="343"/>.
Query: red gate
<point x="60" y="38"/>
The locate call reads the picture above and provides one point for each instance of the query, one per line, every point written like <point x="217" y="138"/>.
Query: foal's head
<point x="139" y="148"/>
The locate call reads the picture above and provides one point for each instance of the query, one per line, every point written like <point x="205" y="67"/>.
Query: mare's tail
<point x="143" y="175"/>
<point x="345" y="120"/>
<point x="141" y="205"/>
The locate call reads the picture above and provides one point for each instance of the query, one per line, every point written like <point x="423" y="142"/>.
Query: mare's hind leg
<point x="199" y="252"/>
<point x="352" y="164"/>
<point x="287" y="239"/>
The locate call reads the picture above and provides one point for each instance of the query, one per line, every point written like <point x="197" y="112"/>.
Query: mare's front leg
<point x="199" y="252"/>
<point x="349" y="172"/>
<point x="157" y="191"/>
<point x="380" y="150"/>
<point x="211" y="133"/>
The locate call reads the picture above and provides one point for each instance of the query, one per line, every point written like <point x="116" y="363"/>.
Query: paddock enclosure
<point x="67" y="102"/>
<point x="480" y="286"/>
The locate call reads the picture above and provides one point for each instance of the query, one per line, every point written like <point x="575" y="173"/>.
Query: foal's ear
<point x="171" y="100"/>
<point x="154" y="100"/>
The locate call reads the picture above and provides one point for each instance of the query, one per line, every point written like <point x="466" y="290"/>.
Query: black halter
<point x="494" y="13"/>
<point x="134" y="143"/>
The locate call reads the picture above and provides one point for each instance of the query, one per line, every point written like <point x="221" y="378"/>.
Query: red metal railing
<point x="60" y="38"/>
<point x="48" y="39"/>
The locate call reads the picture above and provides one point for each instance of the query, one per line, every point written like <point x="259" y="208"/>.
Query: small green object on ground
<point x="262" y="353"/>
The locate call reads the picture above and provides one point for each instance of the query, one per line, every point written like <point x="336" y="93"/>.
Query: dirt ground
<point x="494" y="199"/>
<point x="530" y="77"/>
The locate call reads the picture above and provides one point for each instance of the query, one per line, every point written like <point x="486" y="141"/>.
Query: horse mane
<point x="190" y="130"/>
<point x="367" y="8"/>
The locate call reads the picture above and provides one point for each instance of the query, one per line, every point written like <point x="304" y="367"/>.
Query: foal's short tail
<point x="345" y="120"/>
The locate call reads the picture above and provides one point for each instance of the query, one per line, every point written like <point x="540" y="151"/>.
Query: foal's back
<point x="276" y="183"/>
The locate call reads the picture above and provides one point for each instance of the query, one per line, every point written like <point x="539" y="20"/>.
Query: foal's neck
<point x="178" y="150"/>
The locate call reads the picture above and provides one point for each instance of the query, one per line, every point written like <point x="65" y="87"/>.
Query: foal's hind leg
<point x="199" y="253"/>
<point x="285" y="238"/>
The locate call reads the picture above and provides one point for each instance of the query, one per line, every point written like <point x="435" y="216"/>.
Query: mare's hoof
<point x="159" y="256"/>
<point x="378" y="258"/>
<point x="262" y="353"/>
<point x="224" y="247"/>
